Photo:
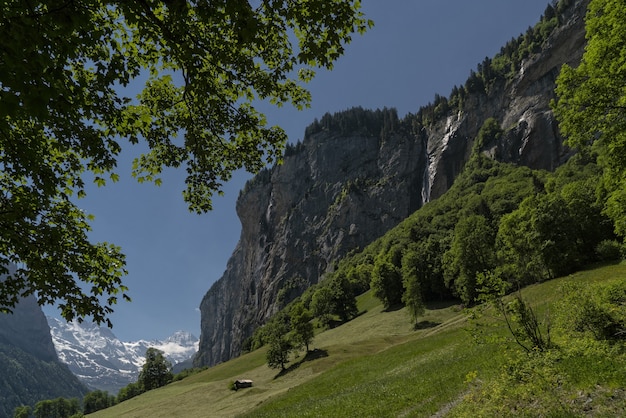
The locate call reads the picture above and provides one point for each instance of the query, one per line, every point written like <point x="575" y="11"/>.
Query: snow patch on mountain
<point x="102" y="361"/>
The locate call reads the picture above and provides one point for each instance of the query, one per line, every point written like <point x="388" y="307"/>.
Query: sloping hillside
<point x="379" y="365"/>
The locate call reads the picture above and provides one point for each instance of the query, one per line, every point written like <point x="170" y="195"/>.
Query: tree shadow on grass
<point x="394" y="308"/>
<point x="425" y="325"/>
<point x="442" y="304"/>
<point x="311" y="355"/>
<point x="334" y="323"/>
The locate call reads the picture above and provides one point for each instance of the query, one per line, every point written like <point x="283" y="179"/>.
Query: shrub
<point x="596" y="309"/>
<point x="528" y="331"/>
<point x="609" y="250"/>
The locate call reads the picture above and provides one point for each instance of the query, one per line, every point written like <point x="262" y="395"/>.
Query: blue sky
<point x="417" y="48"/>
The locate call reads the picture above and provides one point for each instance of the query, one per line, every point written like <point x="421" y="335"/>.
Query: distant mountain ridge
<point x="101" y="361"/>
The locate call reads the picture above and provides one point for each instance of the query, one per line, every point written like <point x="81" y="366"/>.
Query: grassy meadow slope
<point x="378" y="365"/>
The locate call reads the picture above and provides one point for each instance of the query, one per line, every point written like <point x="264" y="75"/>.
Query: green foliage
<point x="334" y="298"/>
<point x="555" y="232"/>
<point x="422" y="266"/>
<point x="598" y="310"/>
<point x="474" y="83"/>
<point x="156" y="371"/>
<point x="293" y="149"/>
<point x="97" y="400"/>
<point x="525" y="226"/>
<point x="412" y="279"/>
<point x="22" y="412"/>
<point x="387" y="278"/>
<point x="359" y="277"/>
<point x="520" y="258"/>
<point x="582" y="376"/>
<point x="488" y="134"/>
<point x="57" y="408"/>
<point x="472" y="252"/>
<point x="522" y="322"/>
<point x="322" y="304"/>
<point x="555" y="228"/>
<point x="615" y="206"/>
<point x="130" y="391"/>
<point x="591" y="100"/>
<point x="563" y="236"/>
<point x="280" y="345"/>
<point x="609" y="250"/>
<point x="528" y="385"/>
<point x="531" y="333"/>
<point x="29" y="223"/>
<point x="542" y="385"/>
<point x="65" y="113"/>
<point x="377" y="123"/>
<point x="408" y="266"/>
<point x="302" y="331"/>
<point x="288" y="330"/>
<point x="344" y="298"/>
<point x="590" y="223"/>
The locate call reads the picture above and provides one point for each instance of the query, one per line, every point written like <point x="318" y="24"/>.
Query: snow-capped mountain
<point x="102" y="361"/>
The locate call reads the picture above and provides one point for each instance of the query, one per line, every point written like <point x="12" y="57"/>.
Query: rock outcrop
<point x="358" y="174"/>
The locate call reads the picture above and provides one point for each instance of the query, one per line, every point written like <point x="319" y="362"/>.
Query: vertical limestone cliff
<point x="334" y="193"/>
<point x="358" y="174"/>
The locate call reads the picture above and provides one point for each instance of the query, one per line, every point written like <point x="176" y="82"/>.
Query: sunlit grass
<point x="377" y="365"/>
<point x="411" y="379"/>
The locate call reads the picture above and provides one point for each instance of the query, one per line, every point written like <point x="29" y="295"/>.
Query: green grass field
<point x="377" y="365"/>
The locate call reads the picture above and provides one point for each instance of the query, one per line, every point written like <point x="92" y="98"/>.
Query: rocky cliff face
<point x="334" y="194"/>
<point x="358" y="174"/>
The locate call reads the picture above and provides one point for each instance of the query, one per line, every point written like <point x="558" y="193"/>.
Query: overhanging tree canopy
<point x="64" y="65"/>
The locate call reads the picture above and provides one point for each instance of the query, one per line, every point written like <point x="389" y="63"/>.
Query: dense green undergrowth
<point x="379" y="365"/>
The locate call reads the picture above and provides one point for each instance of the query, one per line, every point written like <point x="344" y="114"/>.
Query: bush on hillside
<point x="609" y="250"/>
<point x="596" y="310"/>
